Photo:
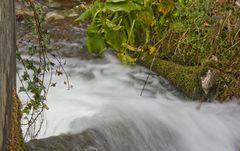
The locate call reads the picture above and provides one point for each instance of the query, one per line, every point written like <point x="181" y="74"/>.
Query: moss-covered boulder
<point x="184" y="78"/>
<point x="188" y="79"/>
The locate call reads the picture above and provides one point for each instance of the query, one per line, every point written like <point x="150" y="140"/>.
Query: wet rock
<point x="21" y="11"/>
<point x="54" y="15"/>
<point x="56" y="4"/>
<point x="67" y="38"/>
<point x="209" y="80"/>
<point x="71" y="49"/>
<point x="85" y="141"/>
<point x="74" y="12"/>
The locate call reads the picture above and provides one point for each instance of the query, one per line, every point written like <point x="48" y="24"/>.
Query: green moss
<point x="15" y="139"/>
<point x="184" y="78"/>
<point x="227" y="86"/>
<point x="190" y="45"/>
<point x="187" y="78"/>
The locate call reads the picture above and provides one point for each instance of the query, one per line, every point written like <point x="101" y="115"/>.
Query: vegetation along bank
<point x="195" y="44"/>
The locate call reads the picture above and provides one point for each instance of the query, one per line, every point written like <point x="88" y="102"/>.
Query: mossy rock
<point x="184" y="78"/>
<point x="187" y="78"/>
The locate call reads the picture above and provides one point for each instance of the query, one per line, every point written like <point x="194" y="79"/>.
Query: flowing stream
<point x="105" y="112"/>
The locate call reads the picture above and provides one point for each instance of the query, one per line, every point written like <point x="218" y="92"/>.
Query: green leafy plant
<point x="186" y="32"/>
<point x="35" y="66"/>
<point x="119" y="24"/>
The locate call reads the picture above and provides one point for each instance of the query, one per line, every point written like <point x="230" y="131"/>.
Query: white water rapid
<point x="106" y="98"/>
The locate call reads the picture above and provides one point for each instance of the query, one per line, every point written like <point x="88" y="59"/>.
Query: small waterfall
<point x="104" y="112"/>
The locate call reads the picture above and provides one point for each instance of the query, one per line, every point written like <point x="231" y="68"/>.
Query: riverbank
<point x="204" y="82"/>
<point x="204" y="39"/>
<point x="196" y="39"/>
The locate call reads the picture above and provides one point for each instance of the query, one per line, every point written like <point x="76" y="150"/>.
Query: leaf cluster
<point x="124" y="25"/>
<point x="36" y="65"/>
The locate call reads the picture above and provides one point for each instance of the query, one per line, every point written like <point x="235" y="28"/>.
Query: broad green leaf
<point x="84" y="15"/>
<point x="95" y="39"/>
<point x="115" y="38"/>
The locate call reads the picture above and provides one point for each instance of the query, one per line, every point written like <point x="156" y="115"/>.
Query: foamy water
<point x="106" y="97"/>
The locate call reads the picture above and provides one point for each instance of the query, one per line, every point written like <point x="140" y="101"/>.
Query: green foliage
<point x="95" y="40"/>
<point x="35" y="69"/>
<point x="119" y="24"/>
<point x="186" y="32"/>
<point x="36" y="65"/>
<point x="197" y="29"/>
